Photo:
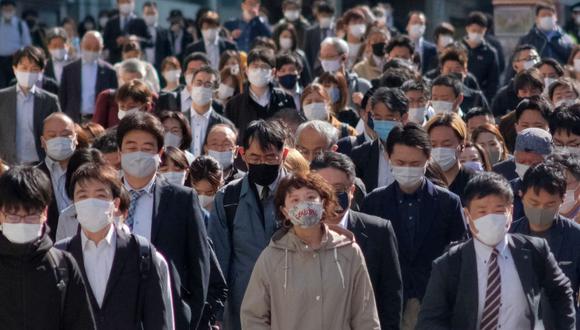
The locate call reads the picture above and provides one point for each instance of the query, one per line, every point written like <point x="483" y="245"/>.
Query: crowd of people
<point x="325" y="171"/>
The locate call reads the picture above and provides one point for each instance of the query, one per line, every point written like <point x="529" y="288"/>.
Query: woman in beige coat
<point x="312" y="275"/>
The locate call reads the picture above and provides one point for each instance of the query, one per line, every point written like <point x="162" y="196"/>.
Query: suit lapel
<point x="373" y="176"/>
<point x="99" y="81"/>
<point x="556" y="238"/>
<point x="38" y="115"/>
<point x="523" y="262"/>
<point x="468" y="285"/>
<point x="428" y="205"/>
<point x="157" y="196"/>
<point x="119" y="262"/>
<point x="358" y="228"/>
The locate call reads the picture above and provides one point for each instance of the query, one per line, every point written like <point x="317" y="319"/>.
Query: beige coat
<point x="295" y="287"/>
<point x="368" y="69"/>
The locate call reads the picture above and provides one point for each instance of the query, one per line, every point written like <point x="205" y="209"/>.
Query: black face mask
<point x="288" y="81"/>
<point x="342" y="199"/>
<point x="379" y="49"/>
<point x="263" y="174"/>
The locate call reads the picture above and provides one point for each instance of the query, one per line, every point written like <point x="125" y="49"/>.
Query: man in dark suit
<point x="58" y="46"/>
<point x="425" y="217"/>
<point x="180" y="37"/>
<point x="83" y="79"/>
<point x="543" y="190"/>
<point x="427" y="50"/>
<point x="24" y="108"/>
<point x="160" y="37"/>
<point x="374" y="235"/>
<point x="120" y="27"/>
<point x="495" y="280"/>
<point x="169" y="216"/>
<point x="211" y="43"/>
<point x="121" y="271"/>
<point x="318" y="32"/>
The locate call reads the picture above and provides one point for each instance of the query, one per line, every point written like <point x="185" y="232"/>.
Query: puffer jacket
<point x="295" y="287"/>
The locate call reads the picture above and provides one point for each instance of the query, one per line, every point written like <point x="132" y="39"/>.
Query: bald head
<point x="92" y="41"/>
<point x="57" y="122"/>
<point x="221" y="137"/>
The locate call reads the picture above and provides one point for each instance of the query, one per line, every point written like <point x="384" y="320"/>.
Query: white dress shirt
<point x="58" y="178"/>
<point x="88" y="90"/>
<point x="263" y="100"/>
<point x="385" y="175"/>
<point x="199" y="125"/>
<point x="25" y="137"/>
<point x="185" y="100"/>
<point x="57" y="67"/>
<point x="514" y="312"/>
<point x="98" y="261"/>
<point x="213" y="52"/>
<point x="143" y="217"/>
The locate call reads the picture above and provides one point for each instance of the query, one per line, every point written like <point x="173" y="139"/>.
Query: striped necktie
<point x="490" y="317"/>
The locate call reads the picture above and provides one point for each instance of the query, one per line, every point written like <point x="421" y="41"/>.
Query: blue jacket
<point x="441" y="222"/>
<point x="564" y="241"/>
<point x="250" y="31"/>
<point x="558" y="47"/>
<point x="237" y="250"/>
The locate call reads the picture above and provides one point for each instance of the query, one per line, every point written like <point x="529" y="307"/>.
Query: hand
<point x="236" y="33"/>
<point x="357" y="98"/>
<point x="121" y="40"/>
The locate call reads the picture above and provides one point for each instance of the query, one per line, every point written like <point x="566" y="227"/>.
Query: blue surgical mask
<point x="383" y="127"/>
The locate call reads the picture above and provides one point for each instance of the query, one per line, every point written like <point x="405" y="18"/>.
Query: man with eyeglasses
<point x="221" y="144"/>
<point x="243" y="217"/>
<point x="42" y="287"/>
<point x="202" y="117"/>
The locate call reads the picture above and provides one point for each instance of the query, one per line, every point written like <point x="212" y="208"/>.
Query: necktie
<point x="490" y="317"/>
<point x="265" y="193"/>
<point x="135" y="195"/>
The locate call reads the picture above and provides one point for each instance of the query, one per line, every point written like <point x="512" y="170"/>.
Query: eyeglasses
<point x="13" y="218"/>
<point x="269" y="159"/>
<point x="530" y="58"/>
<point x="199" y="83"/>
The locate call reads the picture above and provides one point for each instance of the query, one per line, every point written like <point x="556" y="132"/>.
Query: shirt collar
<point x="259" y="99"/>
<point x="185" y="93"/>
<point x="484" y="251"/>
<point x="20" y="91"/>
<point x="109" y="239"/>
<point x="53" y="164"/>
<point x="148" y="188"/>
<point x="195" y="114"/>
<point x="344" y="221"/>
<point x="215" y="43"/>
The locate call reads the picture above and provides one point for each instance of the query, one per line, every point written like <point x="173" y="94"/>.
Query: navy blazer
<point x="507" y="168"/>
<point x="428" y="56"/>
<point x="366" y="160"/>
<point x="136" y="26"/>
<point x="441" y="223"/>
<point x="199" y="46"/>
<point x="347" y="143"/>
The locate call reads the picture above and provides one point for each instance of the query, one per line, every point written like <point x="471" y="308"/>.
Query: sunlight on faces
<point x="488" y="142"/>
<point x="328" y="52"/>
<point x="287" y="69"/>
<point x="58" y="126"/>
<point x="57" y="43"/>
<point x="563" y="92"/>
<point x="444" y="137"/>
<point x="137" y="140"/>
<point x="26" y="65"/>
<point x="170" y="166"/>
<point x="564" y="138"/>
<point x="400" y="52"/>
<point x="221" y="139"/>
<point x="416" y="99"/>
<point x="381" y="112"/>
<point x="203" y="187"/>
<point x="528" y="91"/>
<point x="92" y="188"/>
<point x="407" y="156"/>
<point x="255" y="154"/>
<point x="531" y="118"/>
<point x="172" y="125"/>
<point x="445" y="93"/>
<point x="490" y="204"/>
<point x="23" y="215"/>
<point x="454" y="67"/>
<point x="129" y="103"/>
<point x="475" y="122"/>
<point x="541" y="199"/>
<point x="470" y="154"/>
<point x="522" y="57"/>
<point x="311" y="144"/>
<point x="338" y="180"/>
<point x="314" y="97"/>
<point x="91" y="43"/>
<point x="548" y="71"/>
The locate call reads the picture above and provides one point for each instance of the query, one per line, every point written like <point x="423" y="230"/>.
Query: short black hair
<point x="418" y="85"/>
<point x="476" y="17"/>
<point x="395" y="77"/>
<point x="335" y="160"/>
<point x="197" y="56"/>
<point x="448" y="81"/>
<point x="266" y="133"/>
<point x="567" y="118"/>
<point x="209" y="70"/>
<point x="520" y="49"/>
<point x="443" y="28"/>
<point x="79" y="158"/>
<point x="4" y="3"/>
<point x="411" y="135"/>
<point x="324" y="7"/>
<point x="141" y="121"/>
<point x="553" y="63"/>
<point x="535" y="103"/>
<point x="530" y="77"/>
<point x="401" y="41"/>
<point x="263" y="54"/>
<point x="33" y="54"/>
<point x="477" y="111"/>
<point x="150" y="4"/>
<point x="392" y="98"/>
<point x="107" y="142"/>
<point x="288" y="58"/>
<point x="485" y="184"/>
<point x="548" y="177"/>
<point x="24" y="187"/>
<point x="544" y="5"/>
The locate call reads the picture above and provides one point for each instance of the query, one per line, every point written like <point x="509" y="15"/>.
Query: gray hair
<point x="56" y="32"/>
<point x="133" y="65"/>
<point x="340" y="45"/>
<point x="323" y="128"/>
<point x="97" y="35"/>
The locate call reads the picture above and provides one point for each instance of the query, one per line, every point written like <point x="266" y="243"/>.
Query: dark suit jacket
<point x="44" y="104"/>
<point x="121" y="308"/>
<point x="377" y="240"/>
<point x="428" y="56"/>
<point x="366" y="160"/>
<point x="70" y="94"/>
<point x="214" y="119"/>
<point x="162" y="46"/>
<point x="178" y="232"/>
<point x="53" y="213"/>
<point x="199" y="46"/>
<point x="172" y="101"/>
<point x="136" y="26"/>
<point x="507" y="168"/>
<point x="451" y="300"/>
<point x="347" y="143"/>
<point x="312" y="40"/>
<point x="441" y="222"/>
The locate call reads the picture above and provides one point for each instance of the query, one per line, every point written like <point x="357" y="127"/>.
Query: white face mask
<point x="225" y="92"/>
<point x="445" y="157"/>
<point x="547" y="83"/>
<point x="521" y="169"/>
<point x="474" y="166"/>
<point x="529" y="64"/>
<point x="316" y="111"/>
<point x="491" y="228"/>
<point x="260" y="77"/>
<point x="416" y="31"/>
<point x="331" y="66"/>
<point x="140" y="164"/>
<point x="306" y="214"/>
<point x="150" y="20"/>
<point x="577" y="64"/>
<point x="26" y="79"/>
<point x="94" y="214"/>
<point x="442" y="106"/>
<point x="89" y="56"/>
<point x="172" y="76"/>
<point x="292" y="15"/>
<point x="58" y="54"/>
<point x="476" y="38"/>
<point x="286" y="43"/>
<point x="22" y="233"/>
<point x="175" y="178"/>
<point x="569" y="150"/>
<point x="417" y="115"/>
<point x="444" y="40"/>
<point x="60" y="148"/>
<point x="325" y="22"/>
<point x="201" y="95"/>
<point x="224" y="158"/>
<point x="124" y="113"/>
<point x="172" y="140"/>
<point x="210" y="35"/>
<point x="206" y="201"/>
<point x="126" y="8"/>
<point x="565" y="102"/>
<point x="103" y="21"/>
<point x="569" y="201"/>
<point x="408" y="176"/>
<point x="547" y="23"/>
<point x="357" y="30"/>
